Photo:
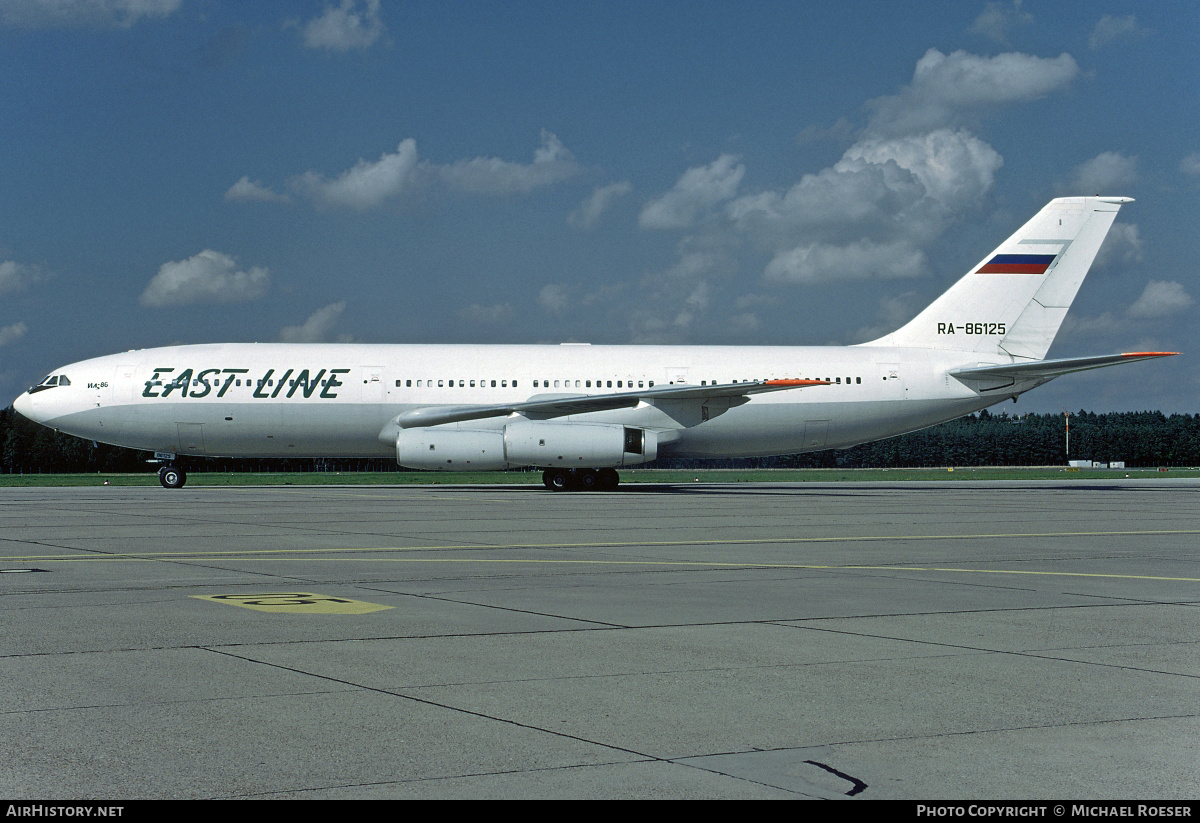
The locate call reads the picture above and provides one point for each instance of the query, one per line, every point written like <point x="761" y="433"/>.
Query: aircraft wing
<point x="1046" y="369"/>
<point x="560" y="405"/>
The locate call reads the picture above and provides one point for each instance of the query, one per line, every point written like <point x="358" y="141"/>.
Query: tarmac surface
<point x="957" y="640"/>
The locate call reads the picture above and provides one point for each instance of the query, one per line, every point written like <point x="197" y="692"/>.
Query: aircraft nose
<point x="21" y="404"/>
<point x="25" y="406"/>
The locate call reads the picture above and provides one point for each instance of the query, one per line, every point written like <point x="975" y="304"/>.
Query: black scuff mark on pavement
<point x="858" y="784"/>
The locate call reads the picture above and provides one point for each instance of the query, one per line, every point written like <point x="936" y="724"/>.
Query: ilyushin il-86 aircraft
<point x="579" y="411"/>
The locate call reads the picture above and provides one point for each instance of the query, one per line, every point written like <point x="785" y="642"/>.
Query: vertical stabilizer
<point x="1014" y="300"/>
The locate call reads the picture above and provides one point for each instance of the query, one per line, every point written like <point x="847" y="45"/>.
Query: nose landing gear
<point x="172" y="477"/>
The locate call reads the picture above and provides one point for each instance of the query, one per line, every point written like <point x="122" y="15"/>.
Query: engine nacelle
<point x="530" y="443"/>
<point x="547" y="444"/>
<point x="450" y="450"/>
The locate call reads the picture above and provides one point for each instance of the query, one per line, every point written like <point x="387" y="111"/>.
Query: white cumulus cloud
<point x="552" y="162"/>
<point x="882" y="189"/>
<point x="345" y="27"/>
<point x="1123" y="244"/>
<point x="1112" y="29"/>
<point x="893" y="313"/>
<point x="247" y="189"/>
<point x="955" y="168"/>
<point x="698" y="189"/>
<point x="997" y="18"/>
<point x="367" y="184"/>
<point x="678" y="299"/>
<point x="818" y="262"/>
<point x="16" y="276"/>
<point x="554" y="298"/>
<point x="14" y="332"/>
<point x="208" y="277"/>
<point x="590" y="211"/>
<point x="36" y="14"/>
<point x="948" y="89"/>
<point x="1161" y="298"/>
<point x="1104" y="174"/>
<point x="317" y="328"/>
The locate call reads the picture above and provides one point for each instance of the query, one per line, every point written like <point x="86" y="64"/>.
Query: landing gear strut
<point x="172" y="477"/>
<point x="561" y="480"/>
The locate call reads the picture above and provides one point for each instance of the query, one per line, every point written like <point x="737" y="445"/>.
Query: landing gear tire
<point x="563" y="480"/>
<point x="172" y="477"/>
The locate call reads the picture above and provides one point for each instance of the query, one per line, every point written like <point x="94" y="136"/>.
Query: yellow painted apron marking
<point x="294" y="603"/>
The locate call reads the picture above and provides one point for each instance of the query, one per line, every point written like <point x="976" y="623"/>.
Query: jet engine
<point x="450" y="450"/>
<point x="583" y="445"/>
<point x="527" y="443"/>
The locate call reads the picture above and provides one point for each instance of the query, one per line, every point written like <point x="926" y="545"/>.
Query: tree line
<point x="1140" y="439"/>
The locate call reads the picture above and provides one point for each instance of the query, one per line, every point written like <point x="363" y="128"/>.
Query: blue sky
<point x="186" y="171"/>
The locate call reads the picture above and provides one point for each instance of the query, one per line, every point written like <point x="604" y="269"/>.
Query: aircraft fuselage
<point x="278" y="400"/>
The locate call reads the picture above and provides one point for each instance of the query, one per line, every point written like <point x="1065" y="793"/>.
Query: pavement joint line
<point x="614" y="544"/>
<point x="950" y="734"/>
<point x="693" y="564"/>
<point x="449" y="707"/>
<point x="1035" y="654"/>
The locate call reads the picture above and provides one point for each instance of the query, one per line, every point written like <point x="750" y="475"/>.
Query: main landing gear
<point x="569" y="480"/>
<point x="172" y="477"/>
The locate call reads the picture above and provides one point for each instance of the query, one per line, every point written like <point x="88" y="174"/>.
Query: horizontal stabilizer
<point x="547" y="406"/>
<point x="1046" y="369"/>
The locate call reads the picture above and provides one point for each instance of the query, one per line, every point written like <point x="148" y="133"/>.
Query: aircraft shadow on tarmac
<point x="767" y="488"/>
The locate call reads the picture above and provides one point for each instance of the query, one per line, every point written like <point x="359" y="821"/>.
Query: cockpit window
<point x="50" y="382"/>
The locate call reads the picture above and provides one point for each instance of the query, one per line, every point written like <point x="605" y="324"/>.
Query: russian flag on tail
<point x="1018" y="264"/>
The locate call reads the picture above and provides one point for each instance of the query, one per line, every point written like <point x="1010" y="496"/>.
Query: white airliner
<point x="579" y="411"/>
